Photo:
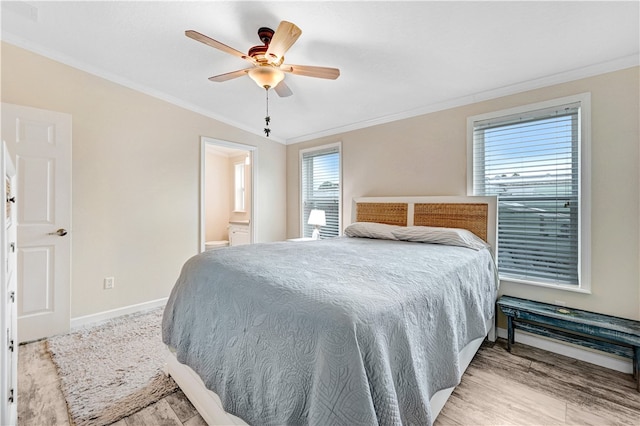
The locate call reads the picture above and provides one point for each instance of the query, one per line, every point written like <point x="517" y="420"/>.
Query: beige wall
<point x="218" y="196"/>
<point x="246" y="215"/>
<point x="426" y="155"/>
<point x="220" y="193"/>
<point x="136" y="178"/>
<point x="136" y="165"/>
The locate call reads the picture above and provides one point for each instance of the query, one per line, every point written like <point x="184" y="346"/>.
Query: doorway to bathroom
<point x="227" y="193"/>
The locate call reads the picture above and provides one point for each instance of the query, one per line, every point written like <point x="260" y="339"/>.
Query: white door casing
<point x="39" y="141"/>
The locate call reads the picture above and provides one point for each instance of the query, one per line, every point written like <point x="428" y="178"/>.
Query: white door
<point x="39" y="141"/>
<point x="8" y="346"/>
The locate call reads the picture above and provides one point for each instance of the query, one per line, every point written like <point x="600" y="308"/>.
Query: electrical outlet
<point x="109" y="283"/>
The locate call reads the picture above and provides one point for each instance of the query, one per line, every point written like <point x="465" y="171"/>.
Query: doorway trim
<point x="207" y="141"/>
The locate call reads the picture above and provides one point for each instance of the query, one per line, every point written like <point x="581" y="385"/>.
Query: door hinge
<point x="12" y="296"/>
<point x="11" y="345"/>
<point x="12" y="246"/>
<point x="10" y="396"/>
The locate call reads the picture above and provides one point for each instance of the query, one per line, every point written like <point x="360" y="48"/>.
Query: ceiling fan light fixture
<point x="267" y="60"/>
<point x="266" y="76"/>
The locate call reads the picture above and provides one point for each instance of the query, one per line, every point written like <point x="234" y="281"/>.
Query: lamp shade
<point x="317" y="217"/>
<point x="266" y="76"/>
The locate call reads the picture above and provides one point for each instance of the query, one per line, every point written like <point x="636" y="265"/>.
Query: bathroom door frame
<point x="253" y="150"/>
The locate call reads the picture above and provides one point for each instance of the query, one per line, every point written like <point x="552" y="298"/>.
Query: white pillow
<point x="379" y="231"/>
<point x="434" y="235"/>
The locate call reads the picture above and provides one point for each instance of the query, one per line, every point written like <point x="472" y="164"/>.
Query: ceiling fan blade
<point x="311" y="71"/>
<point x="216" y="44"/>
<point x="283" y="90"/>
<point x="284" y="37"/>
<point x="229" y="75"/>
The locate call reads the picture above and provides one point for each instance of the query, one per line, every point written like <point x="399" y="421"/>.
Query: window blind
<point x="321" y="189"/>
<point x="531" y="161"/>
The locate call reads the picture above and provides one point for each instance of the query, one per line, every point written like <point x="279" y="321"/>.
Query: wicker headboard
<point x="389" y="213"/>
<point x="453" y="215"/>
<point x="477" y="214"/>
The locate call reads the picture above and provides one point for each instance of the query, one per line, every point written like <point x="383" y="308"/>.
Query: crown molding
<point x="564" y="77"/>
<point x="74" y="63"/>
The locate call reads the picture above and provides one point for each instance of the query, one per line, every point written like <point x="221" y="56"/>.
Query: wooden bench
<point x="607" y="333"/>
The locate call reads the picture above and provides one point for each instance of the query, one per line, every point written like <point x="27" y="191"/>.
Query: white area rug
<point x="112" y="370"/>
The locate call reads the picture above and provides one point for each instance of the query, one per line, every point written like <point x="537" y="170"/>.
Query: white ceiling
<point x="397" y="59"/>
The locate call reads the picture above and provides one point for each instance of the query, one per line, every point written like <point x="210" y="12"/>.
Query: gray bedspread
<point x="344" y="331"/>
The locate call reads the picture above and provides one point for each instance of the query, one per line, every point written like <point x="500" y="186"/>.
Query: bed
<point x="338" y="331"/>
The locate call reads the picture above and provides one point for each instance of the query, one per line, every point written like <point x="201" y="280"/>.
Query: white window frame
<point x="301" y="204"/>
<point x="584" y="191"/>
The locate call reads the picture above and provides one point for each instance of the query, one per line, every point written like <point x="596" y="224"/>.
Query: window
<point x="535" y="160"/>
<point x="239" y="187"/>
<point x="320" y="188"/>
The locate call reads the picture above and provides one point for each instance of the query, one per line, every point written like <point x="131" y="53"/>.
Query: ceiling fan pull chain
<point x="267" y="119"/>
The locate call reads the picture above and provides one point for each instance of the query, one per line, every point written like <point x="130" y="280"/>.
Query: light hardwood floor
<point x="526" y="387"/>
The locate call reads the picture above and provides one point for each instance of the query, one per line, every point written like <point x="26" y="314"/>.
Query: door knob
<point x="60" y="232"/>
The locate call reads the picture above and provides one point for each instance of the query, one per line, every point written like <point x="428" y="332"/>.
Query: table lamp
<point x="317" y="219"/>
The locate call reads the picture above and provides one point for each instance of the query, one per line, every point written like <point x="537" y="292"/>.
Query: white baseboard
<point x="598" y="358"/>
<point x="114" y="313"/>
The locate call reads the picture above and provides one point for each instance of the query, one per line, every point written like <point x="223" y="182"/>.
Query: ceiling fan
<point x="267" y="61"/>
